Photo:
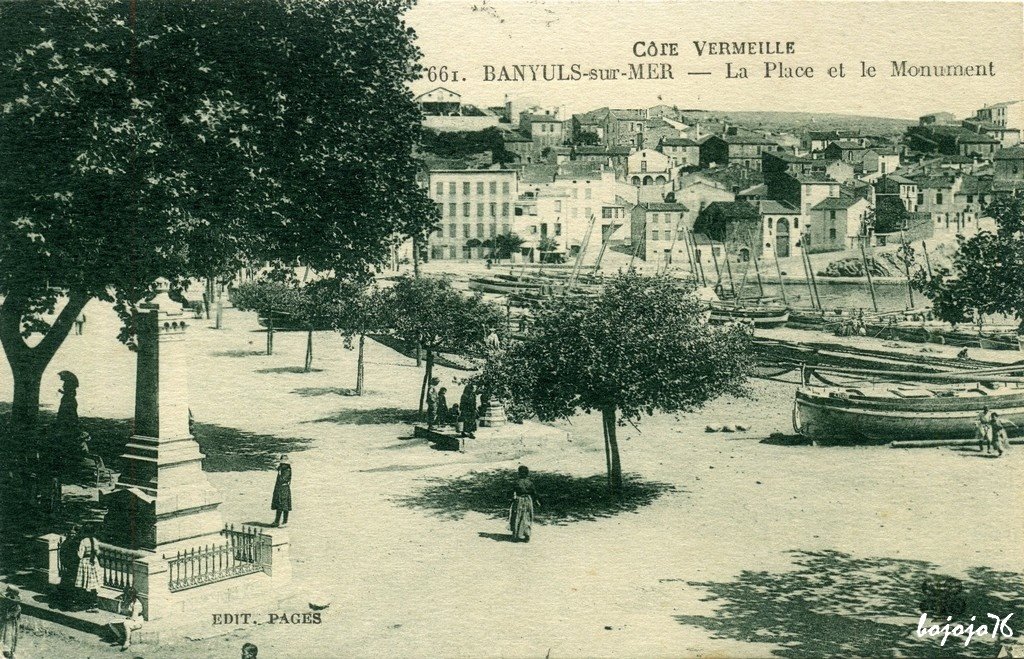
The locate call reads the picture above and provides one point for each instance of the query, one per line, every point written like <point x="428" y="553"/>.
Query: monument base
<point x="494" y="415"/>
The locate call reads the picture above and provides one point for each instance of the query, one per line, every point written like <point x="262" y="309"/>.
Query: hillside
<point x="799" y="122"/>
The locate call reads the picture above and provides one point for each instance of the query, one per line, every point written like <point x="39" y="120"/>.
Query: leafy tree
<point x="638" y="347"/>
<point x="180" y="140"/>
<point x="588" y="138"/>
<point x="429" y="312"/>
<point x="890" y="214"/>
<point x="987" y="276"/>
<point x="507" y="244"/>
<point x="461" y="144"/>
<point x="545" y="246"/>
<point x="287" y="305"/>
<point x="355" y="309"/>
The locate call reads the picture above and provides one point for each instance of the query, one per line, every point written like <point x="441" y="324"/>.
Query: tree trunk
<point x="360" y="374"/>
<point x="612" y="450"/>
<point x="426" y="377"/>
<point x="208" y="297"/>
<point x="28" y="379"/>
<point x="219" y="318"/>
<point x="270" y="332"/>
<point x="309" y="352"/>
<point x="415" y="259"/>
<point x="419" y="355"/>
<point x="29" y="364"/>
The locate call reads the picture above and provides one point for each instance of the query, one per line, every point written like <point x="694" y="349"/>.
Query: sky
<point x="466" y="35"/>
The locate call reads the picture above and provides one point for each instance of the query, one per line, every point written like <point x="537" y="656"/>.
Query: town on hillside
<point x="655" y="182"/>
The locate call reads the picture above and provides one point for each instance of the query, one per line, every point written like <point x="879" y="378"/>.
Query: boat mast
<point x="867" y="271"/>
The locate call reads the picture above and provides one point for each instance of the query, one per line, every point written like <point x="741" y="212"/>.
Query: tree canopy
<point x="429" y="312"/>
<point x="987" y="275"/>
<point x="641" y="346"/>
<point x="179" y="140"/>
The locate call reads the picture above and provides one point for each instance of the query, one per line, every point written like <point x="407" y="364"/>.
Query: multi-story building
<point x="845" y="150"/>
<point x="837" y="223"/>
<point x="658" y="231"/>
<point x="1008" y="164"/>
<point x="681" y="151"/>
<point x="944" y="199"/>
<point x="879" y="161"/>
<point x="1009" y="114"/>
<point x="736" y="149"/>
<point x="780" y="227"/>
<point x="900" y="187"/>
<point x="545" y="130"/>
<point x="475" y="205"/>
<point x="649" y="167"/>
<point x="735" y="225"/>
<point x="561" y="208"/>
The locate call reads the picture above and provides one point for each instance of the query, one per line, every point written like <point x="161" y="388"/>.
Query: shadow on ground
<point x="835" y="605"/>
<point x="239" y="353"/>
<point x="278" y="370"/>
<point x="564" y="498"/>
<point x="309" y="392"/>
<point x="380" y="415"/>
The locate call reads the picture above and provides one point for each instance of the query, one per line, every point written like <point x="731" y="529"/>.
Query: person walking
<point x="984" y="433"/>
<point x="80" y="324"/>
<point x="520" y="514"/>
<point x="468" y="410"/>
<point x="87" y="579"/>
<point x="281" y="501"/>
<point x="998" y="437"/>
<point x="432" y="403"/>
<point x="10" y="619"/>
<point x="131" y="604"/>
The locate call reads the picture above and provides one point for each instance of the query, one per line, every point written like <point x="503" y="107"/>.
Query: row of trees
<point x="425" y="313"/>
<point x="639" y="347"/>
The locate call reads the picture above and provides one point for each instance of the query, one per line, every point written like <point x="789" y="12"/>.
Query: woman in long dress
<point x="468" y="410"/>
<point x="281" y="501"/>
<point x="88" y="577"/>
<point x="520" y="515"/>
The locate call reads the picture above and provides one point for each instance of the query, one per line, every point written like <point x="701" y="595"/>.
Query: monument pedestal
<point x="162" y="497"/>
<point x="494" y="415"/>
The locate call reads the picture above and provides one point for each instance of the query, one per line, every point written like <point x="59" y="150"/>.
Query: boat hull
<point x="766" y="318"/>
<point x="826" y="419"/>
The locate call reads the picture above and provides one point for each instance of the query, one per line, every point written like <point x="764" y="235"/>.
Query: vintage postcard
<point x="511" y="328"/>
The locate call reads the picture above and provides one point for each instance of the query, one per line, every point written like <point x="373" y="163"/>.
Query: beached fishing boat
<point x="502" y="285"/>
<point x="884" y="412"/>
<point x="762" y="316"/>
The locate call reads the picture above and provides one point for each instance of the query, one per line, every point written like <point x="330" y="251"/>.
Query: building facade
<point x="475" y="205"/>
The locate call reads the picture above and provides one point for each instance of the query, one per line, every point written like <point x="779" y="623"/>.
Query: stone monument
<point x="163" y="497"/>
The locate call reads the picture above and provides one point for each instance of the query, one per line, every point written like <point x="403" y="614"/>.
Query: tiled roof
<point x="847" y="145"/>
<point x="538" y="173"/>
<point x="835" y="203"/>
<point x="664" y="206"/>
<point x="678" y="141"/>
<point x="1012" y="153"/>
<point x="975" y="185"/>
<point x="772" y="207"/>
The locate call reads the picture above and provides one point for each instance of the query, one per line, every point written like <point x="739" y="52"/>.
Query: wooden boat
<point x="999" y="341"/>
<point x="764" y="316"/>
<point x="885" y="412"/>
<point x="501" y="285"/>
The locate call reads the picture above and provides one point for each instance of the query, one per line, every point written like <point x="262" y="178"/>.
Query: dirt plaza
<point x="740" y="544"/>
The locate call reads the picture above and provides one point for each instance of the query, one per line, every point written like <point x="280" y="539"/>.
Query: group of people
<point x="79" y="556"/>
<point x="992" y="435"/>
<point x="463" y="415"/>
